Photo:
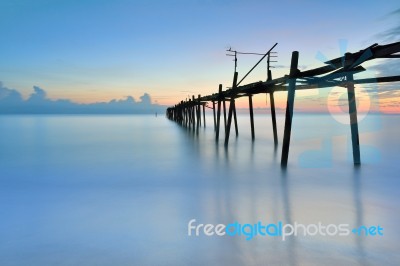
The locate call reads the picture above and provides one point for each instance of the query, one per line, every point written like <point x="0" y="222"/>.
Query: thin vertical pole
<point x="190" y="114"/>
<point x="251" y="116"/>
<point x="224" y="115"/>
<point x="194" y="112"/>
<point x="215" y="121"/>
<point x="218" y="112"/>
<point x="181" y="112"/>
<point x="273" y="116"/>
<point x="289" y="108"/>
<point x="204" y="115"/>
<point x="198" y="112"/>
<point x="353" y="119"/>
<point x="186" y="114"/>
<point x="235" y="119"/>
<point x="231" y="108"/>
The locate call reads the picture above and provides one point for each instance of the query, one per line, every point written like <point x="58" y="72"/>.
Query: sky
<point x="91" y="51"/>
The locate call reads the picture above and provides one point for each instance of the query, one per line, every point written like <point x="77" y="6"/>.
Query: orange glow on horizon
<point x="305" y="102"/>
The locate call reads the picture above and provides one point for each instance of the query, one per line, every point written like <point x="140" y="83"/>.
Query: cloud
<point x="395" y="13"/>
<point x="38" y="96"/>
<point x="11" y="102"/>
<point x="388" y="67"/>
<point x="384" y="91"/>
<point x="146" y="99"/>
<point x="385" y="68"/>
<point x="392" y="34"/>
<point x="9" y="95"/>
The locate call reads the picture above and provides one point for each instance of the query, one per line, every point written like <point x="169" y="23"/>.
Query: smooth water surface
<point x="120" y="190"/>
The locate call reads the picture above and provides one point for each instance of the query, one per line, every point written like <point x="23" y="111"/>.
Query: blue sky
<point x="90" y="51"/>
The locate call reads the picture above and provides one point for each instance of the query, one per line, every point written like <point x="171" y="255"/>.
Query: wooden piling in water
<point x="198" y="112"/>
<point x="193" y="113"/>
<point x="204" y="115"/>
<point x="273" y="117"/>
<point x="289" y="108"/>
<point x="231" y="109"/>
<point x="186" y="114"/>
<point x="251" y="116"/>
<point x="235" y="120"/>
<point x="181" y="113"/>
<point x="189" y="113"/>
<point x="224" y="105"/>
<point x="218" y="112"/>
<point x="215" y="121"/>
<point x="351" y="97"/>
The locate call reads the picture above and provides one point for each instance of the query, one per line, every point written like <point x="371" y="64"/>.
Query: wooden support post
<point x="185" y="114"/>
<point x="215" y="121"/>
<point x="353" y="119"/>
<point x="198" y="112"/>
<point x="180" y="113"/>
<point x="190" y="114"/>
<point x="231" y="108"/>
<point x="218" y="112"/>
<point x="224" y="115"/>
<point x="204" y="114"/>
<point x="235" y="119"/>
<point x="251" y="116"/>
<point x="193" y="112"/>
<point x="273" y="116"/>
<point x="289" y="108"/>
<point x="189" y="109"/>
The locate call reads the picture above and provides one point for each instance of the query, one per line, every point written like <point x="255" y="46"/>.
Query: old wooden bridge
<point x="336" y="72"/>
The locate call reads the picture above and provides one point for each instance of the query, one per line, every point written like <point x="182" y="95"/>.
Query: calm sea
<point x="120" y="190"/>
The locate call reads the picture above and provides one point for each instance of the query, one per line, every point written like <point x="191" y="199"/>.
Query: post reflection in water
<point x="249" y="186"/>
<point x="359" y="219"/>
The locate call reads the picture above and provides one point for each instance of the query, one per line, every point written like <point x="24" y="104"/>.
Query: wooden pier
<point x="337" y="72"/>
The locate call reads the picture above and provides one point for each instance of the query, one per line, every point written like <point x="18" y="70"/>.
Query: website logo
<point x="280" y="229"/>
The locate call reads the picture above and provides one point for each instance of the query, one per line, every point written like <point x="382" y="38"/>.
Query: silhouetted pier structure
<point x="336" y="72"/>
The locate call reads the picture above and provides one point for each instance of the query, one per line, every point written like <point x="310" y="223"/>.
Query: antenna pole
<point x="235" y="61"/>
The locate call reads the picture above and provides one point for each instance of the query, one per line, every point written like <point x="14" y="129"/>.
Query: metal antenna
<point x="262" y="58"/>
<point x="235" y="55"/>
<point x="269" y="73"/>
